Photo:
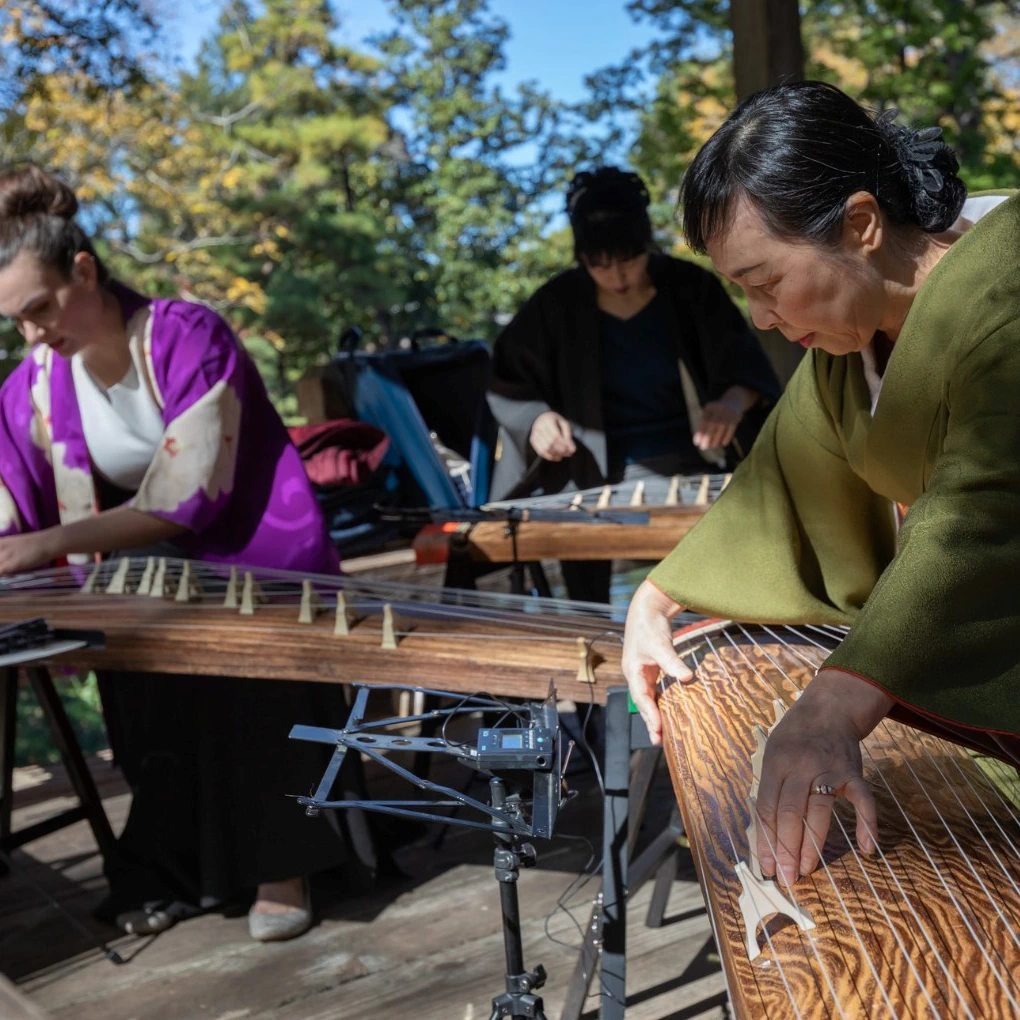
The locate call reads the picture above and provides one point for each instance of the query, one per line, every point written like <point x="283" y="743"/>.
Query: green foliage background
<point x="301" y="186"/>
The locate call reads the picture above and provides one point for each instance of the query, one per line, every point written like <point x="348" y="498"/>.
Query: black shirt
<point x="643" y="405"/>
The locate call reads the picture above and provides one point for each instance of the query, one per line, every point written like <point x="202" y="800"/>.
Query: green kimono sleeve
<point x="796" y="537"/>
<point x="941" y="631"/>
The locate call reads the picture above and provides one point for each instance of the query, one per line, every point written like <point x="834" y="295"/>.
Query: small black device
<point x="530" y="749"/>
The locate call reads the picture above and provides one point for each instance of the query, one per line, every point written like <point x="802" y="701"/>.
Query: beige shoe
<point x="287" y="924"/>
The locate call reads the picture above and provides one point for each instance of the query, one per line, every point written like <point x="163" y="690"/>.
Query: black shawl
<point x="548" y="358"/>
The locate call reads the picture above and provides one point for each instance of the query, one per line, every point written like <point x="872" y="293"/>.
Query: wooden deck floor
<point x="428" y="946"/>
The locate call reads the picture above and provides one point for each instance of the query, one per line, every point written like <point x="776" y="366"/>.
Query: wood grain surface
<point x="512" y="654"/>
<point x="492" y="542"/>
<point x="926" y="928"/>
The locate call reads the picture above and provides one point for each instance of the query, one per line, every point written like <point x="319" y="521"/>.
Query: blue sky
<point x="556" y="42"/>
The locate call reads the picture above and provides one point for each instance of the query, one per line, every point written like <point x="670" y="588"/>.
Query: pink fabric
<point x="342" y="452"/>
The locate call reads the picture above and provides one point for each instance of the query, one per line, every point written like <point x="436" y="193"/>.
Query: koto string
<point x="751" y="709"/>
<point x="735" y="912"/>
<point x="949" y="830"/>
<point x="846" y="911"/>
<point x="999" y="765"/>
<point x="707" y="687"/>
<point x="857" y="857"/>
<point x="655" y="488"/>
<point x="64" y="579"/>
<point x="924" y="849"/>
<point x="490" y="608"/>
<point x="768" y="683"/>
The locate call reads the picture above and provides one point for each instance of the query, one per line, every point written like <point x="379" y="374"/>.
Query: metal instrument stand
<point x="504" y="816"/>
<point x="518" y="1001"/>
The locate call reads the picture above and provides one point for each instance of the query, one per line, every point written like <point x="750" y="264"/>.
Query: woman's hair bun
<point x="27" y="190"/>
<point x="930" y="170"/>
<point x="606" y="187"/>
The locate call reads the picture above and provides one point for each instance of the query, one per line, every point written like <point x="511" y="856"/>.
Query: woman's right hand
<point x="648" y="649"/>
<point x="551" y="437"/>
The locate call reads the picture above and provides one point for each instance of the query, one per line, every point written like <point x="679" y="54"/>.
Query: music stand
<point x="534" y="751"/>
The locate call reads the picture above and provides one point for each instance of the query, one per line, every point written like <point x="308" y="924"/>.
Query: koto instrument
<point x="927" y="927"/>
<point x="180" y="616"/>
<point x="668" y="507"/>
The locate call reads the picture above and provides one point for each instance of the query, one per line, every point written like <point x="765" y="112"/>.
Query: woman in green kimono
<point x="844" y="231"/>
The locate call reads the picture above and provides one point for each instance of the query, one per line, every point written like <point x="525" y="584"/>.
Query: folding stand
<point x="533" y="750"/>
<point x="90" y="805"/>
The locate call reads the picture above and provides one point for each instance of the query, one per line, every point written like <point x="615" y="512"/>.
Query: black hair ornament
<point x="917" y="151"/>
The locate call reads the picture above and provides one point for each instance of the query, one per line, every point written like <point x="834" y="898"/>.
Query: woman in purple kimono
<point x="139" y="425"/>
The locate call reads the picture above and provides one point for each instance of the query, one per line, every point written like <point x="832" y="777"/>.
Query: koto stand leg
<point x="539" y="581"/>
<point x="91" y="805"/>
<point x="518" y="1001"/>
<point x="614" y="849"/>
<point x="8" y="716"/>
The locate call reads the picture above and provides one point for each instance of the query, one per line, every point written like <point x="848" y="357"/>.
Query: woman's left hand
<point x="20" y="553"/>
<point x="817" y="743"/>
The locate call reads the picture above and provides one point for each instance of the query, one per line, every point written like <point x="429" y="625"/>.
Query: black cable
<point x="495" y="702"/>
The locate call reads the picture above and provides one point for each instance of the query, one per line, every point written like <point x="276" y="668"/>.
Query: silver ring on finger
<point x="823" y="790"/>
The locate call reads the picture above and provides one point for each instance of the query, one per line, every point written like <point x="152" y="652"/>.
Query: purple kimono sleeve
<point x="197" y="371"/>
<point x="27" y="491"/>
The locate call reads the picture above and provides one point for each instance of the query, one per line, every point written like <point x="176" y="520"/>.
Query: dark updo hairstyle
<point x="37" y="215"/>
<point x="799" y="151"/>
<point x="608" y="210"/>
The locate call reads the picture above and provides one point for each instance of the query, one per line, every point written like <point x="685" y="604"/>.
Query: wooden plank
<point x="156" y="635"/>
<point x="15" y="1006"/>
<point x="929" y="923"/>
<point x="491" y="542"/>
<point x="423" y="989"/>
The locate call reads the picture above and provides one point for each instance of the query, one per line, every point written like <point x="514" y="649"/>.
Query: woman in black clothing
<point x="631" y="364"/>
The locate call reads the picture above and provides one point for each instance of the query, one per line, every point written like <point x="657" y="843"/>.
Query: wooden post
<point x="767" y="48"/>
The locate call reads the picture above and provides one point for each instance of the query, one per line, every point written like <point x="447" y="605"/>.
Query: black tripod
<point x="509" y="857"/>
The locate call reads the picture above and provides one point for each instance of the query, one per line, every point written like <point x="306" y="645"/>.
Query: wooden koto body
<point x="926" y="928"/>
<point x="509" y="646"/>
<point x="670" y="508"/>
